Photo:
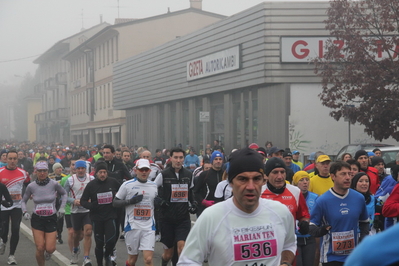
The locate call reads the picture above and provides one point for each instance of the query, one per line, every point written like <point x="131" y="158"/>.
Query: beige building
<point x="52" y="121"/>
<point x="34" y="106"/>
<point x="90" y="77"/>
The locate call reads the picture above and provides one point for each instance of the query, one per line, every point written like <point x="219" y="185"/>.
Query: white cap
<point x="143" y="163"/>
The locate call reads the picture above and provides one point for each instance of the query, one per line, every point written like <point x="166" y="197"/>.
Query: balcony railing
<point x="53" y="115"/>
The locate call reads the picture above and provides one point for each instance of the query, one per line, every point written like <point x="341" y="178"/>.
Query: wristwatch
<point x="286" y="263"/>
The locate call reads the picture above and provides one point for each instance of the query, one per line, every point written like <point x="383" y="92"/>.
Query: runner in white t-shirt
<point x="243" y="230"/>
<point x="137" y="196"/>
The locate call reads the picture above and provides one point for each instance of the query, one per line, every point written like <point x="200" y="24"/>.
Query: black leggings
<point x="105" y="233"/>
<point x="16" y="218"/>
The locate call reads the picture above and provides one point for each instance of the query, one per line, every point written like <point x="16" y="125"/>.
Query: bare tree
<point x="360" y="68"/>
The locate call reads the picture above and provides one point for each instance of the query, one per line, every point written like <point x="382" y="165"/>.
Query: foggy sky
<point x="30" y="27"/>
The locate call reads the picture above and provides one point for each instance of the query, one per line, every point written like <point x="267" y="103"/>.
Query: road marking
<point x="57" y="257"/>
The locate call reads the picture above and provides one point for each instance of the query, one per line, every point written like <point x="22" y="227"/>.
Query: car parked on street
<point x="352" y="148"/>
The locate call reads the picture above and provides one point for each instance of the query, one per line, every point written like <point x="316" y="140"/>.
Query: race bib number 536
<point x="253" y="243"/>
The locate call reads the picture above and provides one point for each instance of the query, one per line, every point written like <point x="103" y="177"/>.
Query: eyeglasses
<point x="144" y="169"/>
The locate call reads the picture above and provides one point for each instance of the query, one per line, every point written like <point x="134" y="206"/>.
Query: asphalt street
<point x="25" y="254"/>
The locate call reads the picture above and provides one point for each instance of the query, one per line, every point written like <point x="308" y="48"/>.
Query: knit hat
<point x="356" y="178"/>
<point x="298" y="176"/>
<point x="216" y="154"/>
<point x="101" y="166"/>
<point x="244" y="160"/>
<point x="41" y="165"/>
<point x="80" y="163"/>
<point x="3" y="151"/>
<point x="56" y="166"/>
<point x="273" y="163"/>
<point x="360" y="153"/>
<point x="287" y="154"/>
<point x="376" y="160"/>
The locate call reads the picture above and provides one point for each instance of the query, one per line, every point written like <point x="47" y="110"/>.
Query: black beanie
<point x="273" y="163"/>
<point x="356" y="178"/>
<point x="376" y="160"/>
<point x="360" y="153"/>
<point x="101" y="166"/>
<point x="245" y="160"/>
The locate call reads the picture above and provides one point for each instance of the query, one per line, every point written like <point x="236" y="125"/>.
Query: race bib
<point x="343" y="242"/>
<point x="254" y="243"/>
<point x="15" y="194"/>
<point x="179" y="193"/>
<point x="104" y="198"/>
<point x="142" y="210"/>
<point x="44" y="209"/>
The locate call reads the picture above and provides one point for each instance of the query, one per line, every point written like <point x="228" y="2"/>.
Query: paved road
<point x="25" y="253"/>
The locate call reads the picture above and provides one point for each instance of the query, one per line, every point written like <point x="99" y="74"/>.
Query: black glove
<point x="319" y="231"/>
<point x="303" y="227"/>
<point x="377" y="223"/>
<point x="136" y="198"/>
<point x="193" y="208"/>
<point x="160" y="202"/>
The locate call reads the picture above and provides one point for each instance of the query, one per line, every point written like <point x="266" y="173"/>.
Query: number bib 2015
<point x="254" y="243"/>
<point x="343" y="242"/>
<point x="104" y="198"/>
<point x="179" y="193"/>
<point x="45" y="209"/>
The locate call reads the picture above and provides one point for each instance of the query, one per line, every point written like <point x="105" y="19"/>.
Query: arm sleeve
<point x="219" y="192"/>
<point x="159" y="180"/>
<point x="25" y="199"/>
<point x="119" y="203"/>
<point x="84" y="200"/>
<point x="302" y="212"/>
<point x="199" y="186"/>
<point x="290" y="237"/>
<point x="68" y="190"/>
<point x="7" y="202"/>
<point x="391" y="206"/>
<point x="61" y="191"/>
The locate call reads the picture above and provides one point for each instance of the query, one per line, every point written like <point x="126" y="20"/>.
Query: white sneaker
<point x="75" y="257"/>
<point x="47" y="256"/>
<point x="86" y="262"/>
<point x="157" y="238"/>
<point x="11" y="260"/>
<point x="2" y="247"/>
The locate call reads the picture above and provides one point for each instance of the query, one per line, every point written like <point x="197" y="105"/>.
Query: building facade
<point x="244" y="79"/>
<point x="53" y="122"/>
<point x="94" y="119"/>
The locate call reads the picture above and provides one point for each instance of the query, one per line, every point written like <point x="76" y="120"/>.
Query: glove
<point x="27" y="216"/>
<point x="377" y="223"/>
<point x="324" y="230"/>
<point x="136" y="198"/>
<point x="193" y="208"/>
<point x="60" y="214"/>
<point x="303" y="227"/>
<point x="207" y="203"/>
<point x="159" y="202"/>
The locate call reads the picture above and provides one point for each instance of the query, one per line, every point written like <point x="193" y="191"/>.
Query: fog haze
<point x="29" y="28"/>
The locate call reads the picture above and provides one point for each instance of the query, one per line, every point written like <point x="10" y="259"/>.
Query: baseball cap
<point x="253" y="146"/>
<point x="142" y="163"/>
<point x="323" y="158"/>
<point x="275" y="150"/>
<point x="287" y="154"/>
<point x="312" y="156"/>
<point x="295" y="152"/>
